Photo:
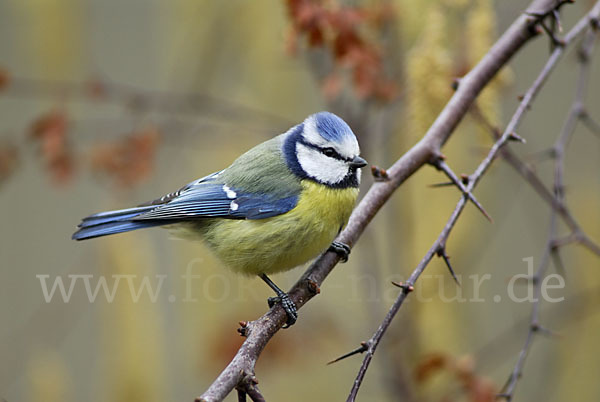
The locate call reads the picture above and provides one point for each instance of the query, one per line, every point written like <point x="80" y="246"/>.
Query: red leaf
<point x="429" y="366"/>
<point x="340" y="29"/>
<point x="126" y="161"/>
<point x="50" y="131"/>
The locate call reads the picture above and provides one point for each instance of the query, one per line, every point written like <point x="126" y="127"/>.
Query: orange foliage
<point x="339" y="28"/>
<point x="476" y="388"/>
<point x="50" y="130"/>
<point x="128" y="160"/>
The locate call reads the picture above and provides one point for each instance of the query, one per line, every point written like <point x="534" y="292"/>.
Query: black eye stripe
<point x="335" y="155"/>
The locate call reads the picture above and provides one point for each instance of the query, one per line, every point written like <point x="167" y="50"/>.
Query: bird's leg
<point x="282" y="298"/>
<point x="343" y="250"/>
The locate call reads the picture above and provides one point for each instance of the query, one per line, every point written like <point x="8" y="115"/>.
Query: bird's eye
<point x="329" y="152"/>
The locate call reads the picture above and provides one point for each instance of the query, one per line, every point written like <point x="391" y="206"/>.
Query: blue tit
<point x="277" y="206"/>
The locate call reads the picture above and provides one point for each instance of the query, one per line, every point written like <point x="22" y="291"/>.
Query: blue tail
<point x="111" y="222"/>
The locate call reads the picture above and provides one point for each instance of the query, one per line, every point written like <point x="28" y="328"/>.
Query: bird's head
<point x="323" y="148"/>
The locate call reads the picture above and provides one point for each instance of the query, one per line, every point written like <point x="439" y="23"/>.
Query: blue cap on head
<point x="331" y="127"/>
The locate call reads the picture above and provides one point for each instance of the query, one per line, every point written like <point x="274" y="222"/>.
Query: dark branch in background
<point x="532" y="178"/>
<point x="426" y="151"/>
<point x="552" y="248"/>
<point x="135" y="99"/>
<point x="508" y="135"/>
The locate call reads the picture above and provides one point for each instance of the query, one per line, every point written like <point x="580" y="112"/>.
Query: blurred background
<point x="106" y="104"/>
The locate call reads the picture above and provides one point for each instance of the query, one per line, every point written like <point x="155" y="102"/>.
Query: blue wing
<point x="213" y="199"/>
<point x="203" y="198"/>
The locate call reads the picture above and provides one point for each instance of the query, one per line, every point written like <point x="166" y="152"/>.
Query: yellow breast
<point x="283" y="242"/>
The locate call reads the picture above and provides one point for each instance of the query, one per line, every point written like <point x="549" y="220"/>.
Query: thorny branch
<point x="552" y="247"/>
<point x="426" y="151"/>
<point x="532" y="178"/>
<point x="440" y="242"/>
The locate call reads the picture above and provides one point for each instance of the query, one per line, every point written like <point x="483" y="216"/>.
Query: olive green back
<point x="263" y="170"/>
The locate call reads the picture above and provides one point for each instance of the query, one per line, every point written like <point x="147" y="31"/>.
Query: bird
<point x="276" y="207"/>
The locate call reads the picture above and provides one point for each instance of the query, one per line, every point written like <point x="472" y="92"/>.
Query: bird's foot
<point x="341" y="249"/>
<point x="288" y="305"/>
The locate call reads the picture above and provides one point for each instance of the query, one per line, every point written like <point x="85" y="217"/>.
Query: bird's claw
<point x="288" y="305"/>
<point x="341" y="249"/>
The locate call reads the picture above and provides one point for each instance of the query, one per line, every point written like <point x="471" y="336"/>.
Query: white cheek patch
<point x="321" y="167"/>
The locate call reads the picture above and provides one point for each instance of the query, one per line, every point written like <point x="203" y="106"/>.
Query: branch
<point x="259" y="332"/>
<point x="532" y="178"/>
<point x="439" y="244"/>
<point x="553" y="244"/>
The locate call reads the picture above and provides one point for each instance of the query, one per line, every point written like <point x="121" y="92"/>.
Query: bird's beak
<point x="358" y="162"/>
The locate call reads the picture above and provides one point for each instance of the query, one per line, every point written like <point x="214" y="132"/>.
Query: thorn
<point x="515" y="137"/>
<point x="442" y="253"/>
<point x="446" y="184"/>
<point x="364" y="346"/>
<point x="407" y="287"/>
<point x="379" y="174"/>
<point x="557" y="19"/>
<point x="480" y="207"/>
<point x="441" y="165"/>
<point x="536" y="327"/>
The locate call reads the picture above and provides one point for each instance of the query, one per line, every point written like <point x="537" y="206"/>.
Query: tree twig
<point x="259" y="332"/>
<point x="552" y="246"/>
<point x="473" y="180"/>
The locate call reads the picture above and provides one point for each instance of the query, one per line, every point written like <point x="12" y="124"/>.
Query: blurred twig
<point x="554" y="243"/>
<point x="508" y="134"/>
<point x="134" y="99"/>
<point x="426" y="151"/>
